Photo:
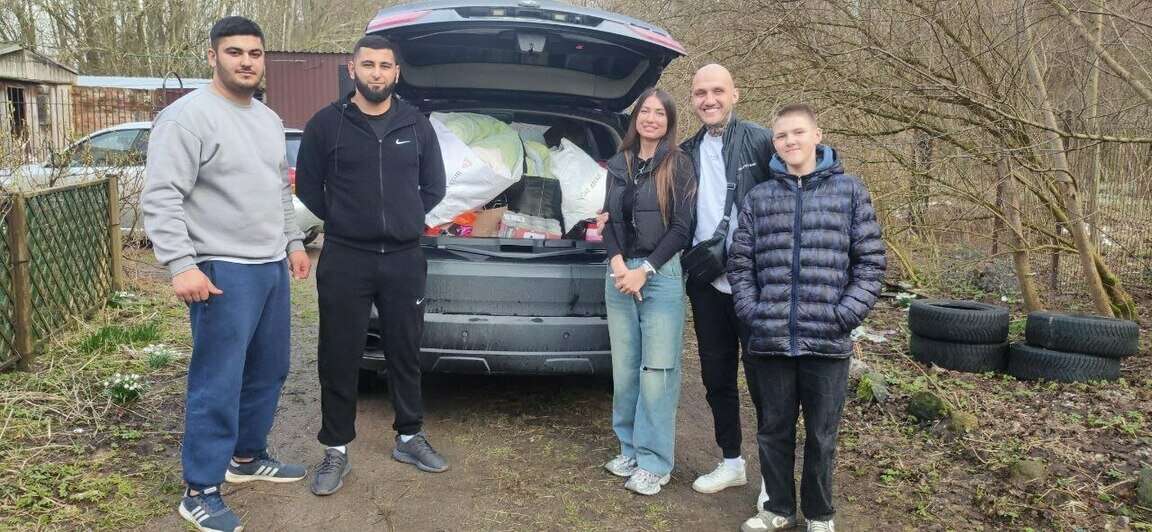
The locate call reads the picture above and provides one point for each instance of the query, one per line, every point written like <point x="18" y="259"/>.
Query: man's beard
<point x="373" y="95"/>
<point x="232" y="81"/>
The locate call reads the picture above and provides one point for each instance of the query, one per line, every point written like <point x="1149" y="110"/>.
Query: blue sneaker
<point x="208" y="512"/>
<point x="263" y="467"/>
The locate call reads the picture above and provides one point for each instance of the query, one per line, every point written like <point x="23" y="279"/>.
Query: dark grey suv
<point x="497" y="305"/>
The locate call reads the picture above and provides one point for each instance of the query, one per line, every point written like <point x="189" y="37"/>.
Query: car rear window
<point x="570" y="53"/>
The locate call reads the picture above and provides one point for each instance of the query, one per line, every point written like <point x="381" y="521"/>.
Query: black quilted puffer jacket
<point x="807" y="260"/>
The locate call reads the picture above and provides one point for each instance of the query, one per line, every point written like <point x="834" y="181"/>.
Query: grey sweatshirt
<point x="216" y="184"/>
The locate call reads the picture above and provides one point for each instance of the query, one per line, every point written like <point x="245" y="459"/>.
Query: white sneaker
<point x="821" y="526"/>
<point x="766" y="521"/>
<point x="762" y="498"/>
<point x="646" y="483"/>
<point x="621" y="466"/>
<point x="724" y="476"/>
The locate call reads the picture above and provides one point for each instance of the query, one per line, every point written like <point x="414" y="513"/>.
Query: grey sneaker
<point x="330" y="472"/>
<point x="621" y="466"/>
<point x="263" y="467"/>
<point x="208" y="513"/>
<point x="821" y="526"/>
<point x="418" y="452"/>
<point x="765" y="521"/>
<point x="645" y="482"/>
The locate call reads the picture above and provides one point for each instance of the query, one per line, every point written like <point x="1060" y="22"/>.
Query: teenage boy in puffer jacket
<point x="806" y="266"/>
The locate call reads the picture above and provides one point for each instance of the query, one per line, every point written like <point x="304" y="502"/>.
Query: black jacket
<point x="748" y="152"/>
<point x="371" y="193"/>
<point x="648" y="235"/>
<point x="807" y="260"/>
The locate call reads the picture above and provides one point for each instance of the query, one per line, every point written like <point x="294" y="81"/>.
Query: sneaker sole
<point x="723" y="487"/>
<point x="406" y="458"/>
<point x="188" y="517"/>
<point x="619" y="473"/>
<point x="240" y="479"/>
<point x="339" y="484"/>
<point x="746" y="528"/>
<point x="663" y="482"/>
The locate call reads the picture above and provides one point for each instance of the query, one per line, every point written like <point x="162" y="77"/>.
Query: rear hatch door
<point x="527" y="51"/>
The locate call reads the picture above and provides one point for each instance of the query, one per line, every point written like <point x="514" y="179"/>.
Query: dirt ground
<point x="526" y="453"/>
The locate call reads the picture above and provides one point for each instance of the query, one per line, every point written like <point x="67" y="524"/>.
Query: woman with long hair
<point x="650" y="203"/>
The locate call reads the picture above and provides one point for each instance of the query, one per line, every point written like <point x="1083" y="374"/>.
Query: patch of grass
<point x="73" y="460"/>
<point x="111" y="337"/>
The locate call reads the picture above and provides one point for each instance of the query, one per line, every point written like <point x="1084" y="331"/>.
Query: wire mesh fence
<point x="944" y="211"/>
<point x="56" y="261"/>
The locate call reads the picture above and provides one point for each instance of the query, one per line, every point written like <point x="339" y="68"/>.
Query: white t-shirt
<point x="711" y="191"/>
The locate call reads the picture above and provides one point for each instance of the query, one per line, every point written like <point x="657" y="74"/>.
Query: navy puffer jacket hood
<point x="807" y="260"/>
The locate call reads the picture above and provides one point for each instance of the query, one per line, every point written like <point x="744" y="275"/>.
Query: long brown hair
<point x="630" y="146"/>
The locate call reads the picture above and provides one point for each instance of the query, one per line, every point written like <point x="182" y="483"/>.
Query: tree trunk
<point x="1062" y="175"/>
<point x="1015" y="239"/>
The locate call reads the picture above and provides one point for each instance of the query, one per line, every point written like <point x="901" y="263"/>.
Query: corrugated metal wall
<point x="300" y="83"/>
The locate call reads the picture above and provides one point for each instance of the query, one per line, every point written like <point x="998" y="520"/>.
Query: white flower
<point x="1004" y="298"/>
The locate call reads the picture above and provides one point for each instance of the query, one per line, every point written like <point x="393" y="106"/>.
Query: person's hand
<point x="631" y="281"/>
<point x="299" y="264"/>
<point x="192" y="286"/>
<point x="601" y="218"/>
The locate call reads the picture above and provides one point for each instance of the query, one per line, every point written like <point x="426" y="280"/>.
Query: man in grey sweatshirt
<point x="218" y="209"/>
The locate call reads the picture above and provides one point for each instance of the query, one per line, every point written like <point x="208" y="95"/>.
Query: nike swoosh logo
<point x="419" y="302"/>
<point x="405" y="142"/>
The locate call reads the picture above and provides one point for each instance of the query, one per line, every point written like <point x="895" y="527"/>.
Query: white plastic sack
<point x="582" y="184"/>
<point x="471" y="182"/>
<point x="497" y="144"/>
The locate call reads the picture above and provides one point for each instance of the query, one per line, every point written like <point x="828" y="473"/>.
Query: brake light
<point x="662" y="40"/>
<point x="380" y="23"/>
<point x="292" y="178"/>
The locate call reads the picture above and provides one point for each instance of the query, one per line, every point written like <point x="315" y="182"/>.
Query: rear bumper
<point x="508" y="344"/>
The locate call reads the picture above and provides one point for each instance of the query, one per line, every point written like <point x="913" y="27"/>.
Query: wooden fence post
<point x="115" y="244"/>
<point x="21" y="282"/>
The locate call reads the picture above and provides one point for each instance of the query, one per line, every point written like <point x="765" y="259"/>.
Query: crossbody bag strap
<point x="730" y="199"/>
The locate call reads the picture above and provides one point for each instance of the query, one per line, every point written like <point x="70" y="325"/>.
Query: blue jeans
<point x="240" y="357"/>
<point x="647" y="339"/>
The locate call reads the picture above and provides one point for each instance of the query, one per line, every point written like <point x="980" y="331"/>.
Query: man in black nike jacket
<point x="370" y="167"/>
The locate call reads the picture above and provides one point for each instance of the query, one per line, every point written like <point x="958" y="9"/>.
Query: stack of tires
<point x="1072" y="347"/>
<point x="959" y="335"/>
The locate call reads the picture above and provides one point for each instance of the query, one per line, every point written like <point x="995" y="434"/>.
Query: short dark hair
<point x="797" y="109"/>
<point x="233" y="26"/>
<point x="376" y="42"/>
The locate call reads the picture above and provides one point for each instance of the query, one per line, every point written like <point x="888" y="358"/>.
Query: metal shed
<point x="301" y="83"/>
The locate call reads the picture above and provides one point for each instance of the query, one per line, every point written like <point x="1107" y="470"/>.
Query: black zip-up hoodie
<point x="372" y="193"/>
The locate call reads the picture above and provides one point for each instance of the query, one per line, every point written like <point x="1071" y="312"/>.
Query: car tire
<point x="970" y="358"/>
<point x="966" y="322"/>
<point x="1029" y="362"/>
<point x="1083" y="333"/>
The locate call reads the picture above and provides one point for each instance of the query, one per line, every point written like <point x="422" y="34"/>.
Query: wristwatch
<point x="649" y="270"/>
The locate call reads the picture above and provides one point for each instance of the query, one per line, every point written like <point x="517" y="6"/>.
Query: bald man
<point x="728" y="152"/>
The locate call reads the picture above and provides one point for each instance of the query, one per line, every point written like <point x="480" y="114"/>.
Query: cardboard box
<point x="488" y="221"/>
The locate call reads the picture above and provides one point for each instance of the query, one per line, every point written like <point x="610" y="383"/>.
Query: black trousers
<point x="348" y="282"/>
<point x="719" y="335"/>
<point x="817" y="386"/>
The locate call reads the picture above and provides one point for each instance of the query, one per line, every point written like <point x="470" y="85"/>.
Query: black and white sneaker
<point x="208" y="512"/>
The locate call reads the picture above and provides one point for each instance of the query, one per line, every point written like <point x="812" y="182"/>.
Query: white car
<point x="121" y="150"/>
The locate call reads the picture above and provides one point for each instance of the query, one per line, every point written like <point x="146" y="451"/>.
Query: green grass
<point x="72" y="459"/>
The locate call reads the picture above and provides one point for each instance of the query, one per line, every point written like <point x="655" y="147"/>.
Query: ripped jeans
<point x="647" y="339"/>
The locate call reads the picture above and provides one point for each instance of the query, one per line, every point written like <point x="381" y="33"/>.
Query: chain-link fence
<point x="57" y="262"/>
